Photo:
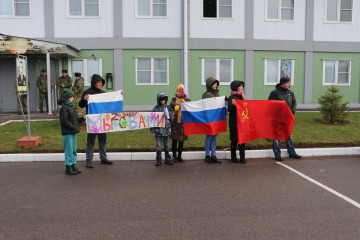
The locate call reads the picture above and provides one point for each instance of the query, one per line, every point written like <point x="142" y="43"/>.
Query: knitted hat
<point x="67" y="94"/>
<point x="178" y="88"/>
<point x="235" y="84"/>
<point x="64" y="71"/>
<point x="43" y="70"/>
<point x="284" y="80"/>
<point x="77" y="74"/>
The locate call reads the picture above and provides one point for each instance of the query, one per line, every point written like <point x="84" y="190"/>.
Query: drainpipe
<point x="185" y="49"/>
<point x="48" y="83"/>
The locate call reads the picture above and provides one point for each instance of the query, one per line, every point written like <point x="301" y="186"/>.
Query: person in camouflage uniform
<point x="64" y="81"/>
<point x="78" y="89"/>
<point x="41" y="84"/>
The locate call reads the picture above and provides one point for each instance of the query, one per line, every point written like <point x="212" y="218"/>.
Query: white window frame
<point x="152" y="80"/>
<point x="203" y="77"/>
<point x="337" y="73"/>
<point x="218" y="11"/>
<point x="292" y="79"/>
<point x="82" y="10"/>
<point x="338" y="12"/>
<point x="279" y="19"/>
<point x="13" y="11"/>
<point x="87" y="82"/>
<point x="151" y="15"/>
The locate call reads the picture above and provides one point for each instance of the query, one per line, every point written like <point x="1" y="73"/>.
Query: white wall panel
<point x="69" y="27"/>
<point x="168" y="27"/>
<point x="217" y="28"/>
<point x="342" y="32"/>
<point x="31" y="27"/>
<point x="279" y="30"/>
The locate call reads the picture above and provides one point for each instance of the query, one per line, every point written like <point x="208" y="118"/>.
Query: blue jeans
<point x="166" y="140"/>
<point x="210" y="144"/>
<point x="289" y="147"/>
<point x="90" y="146"/>
<point x="70" y="149"/>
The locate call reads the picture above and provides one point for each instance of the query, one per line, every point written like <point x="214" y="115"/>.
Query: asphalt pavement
<point x="262" y="199"/>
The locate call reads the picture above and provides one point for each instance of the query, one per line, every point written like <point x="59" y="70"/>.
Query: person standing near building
<point x="237" y="88"/>
<point x="96" y="88"/>
<point x="212" y="90"/>
<point x="78" y="90"/>
<point x="64" y="81"/>
<point x="283" y="93"/>
<point x="42" y="85"/>
<point x="177" y="125"/>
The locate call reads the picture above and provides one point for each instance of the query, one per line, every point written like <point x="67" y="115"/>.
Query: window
<point x="336" y="72"/>
<point x="152" y="71"/>
<point x="17" y="8"/>
<point x="84" y="8"/>
<point x="217" y="8"/>
<point x="276" y="69"/>
<point x="87" y="67"/>
<point x="280" y="9"/>
<point x="221" y="69"/>
<point x="339" y="10"/>
<point x="152" y="8"/>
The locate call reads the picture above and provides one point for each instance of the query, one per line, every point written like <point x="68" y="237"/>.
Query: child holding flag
<point x="163" y="134"/>
<point x="212" y="90"/>
<point x="237" y="88"/>
<point x="177" y="126"/>
<point x="69" y="129"/>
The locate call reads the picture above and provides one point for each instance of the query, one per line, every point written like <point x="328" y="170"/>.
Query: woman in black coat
<point x="237" y="88"/>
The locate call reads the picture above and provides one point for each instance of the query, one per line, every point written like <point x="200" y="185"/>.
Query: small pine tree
<point x="332" y="108"/>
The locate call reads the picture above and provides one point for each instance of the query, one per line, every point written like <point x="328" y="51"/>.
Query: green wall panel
<point x="351" y="92"/>
<point x="146" y="94"/>
<point x="195" y="70"/>
<point x="261" y="91"/>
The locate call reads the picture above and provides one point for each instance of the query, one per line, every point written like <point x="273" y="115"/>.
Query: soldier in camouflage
<point x="78" y="89"/>
<point x="41" y="84"/>
<point x="64" y="81"/>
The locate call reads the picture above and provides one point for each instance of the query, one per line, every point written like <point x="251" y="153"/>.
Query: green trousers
<point x="70" y="149"/>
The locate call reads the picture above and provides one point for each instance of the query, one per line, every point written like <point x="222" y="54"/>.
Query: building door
<point x="8" y="101"/>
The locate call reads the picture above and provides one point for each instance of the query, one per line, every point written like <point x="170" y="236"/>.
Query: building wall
<point x="284" y="30"/>
<point x="83" y="27"/>
<point x="150" y="27"/>
<point x="146" y="94"/>
<point x="196" y="87"/>
<point x="217" y="28"/>
<point x="261" y="91"/>
<point x="29" y="27"/>
<point x="352" y="92"/>
<point x="343" y="32"/>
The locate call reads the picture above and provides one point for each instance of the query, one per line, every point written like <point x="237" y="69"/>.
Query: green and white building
<point x="147" y="46"/>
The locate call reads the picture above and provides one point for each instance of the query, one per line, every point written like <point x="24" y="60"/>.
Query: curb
<point x="199" y="155"/>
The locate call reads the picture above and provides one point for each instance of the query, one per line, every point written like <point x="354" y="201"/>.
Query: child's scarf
<point x="68" y="103"/>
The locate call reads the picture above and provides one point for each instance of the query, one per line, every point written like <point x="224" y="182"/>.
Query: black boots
<point x="241" y="152"/>
<point x="75" y="169"/>
<point x="177" y="157"/>
<point x="158" y="162"/>
<point x="70" y="171"/>
<point x="215" y="160"/>
<point x="106" y="161"/>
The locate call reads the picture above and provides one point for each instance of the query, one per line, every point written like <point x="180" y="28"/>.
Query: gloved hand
<point x="176" y="108"/>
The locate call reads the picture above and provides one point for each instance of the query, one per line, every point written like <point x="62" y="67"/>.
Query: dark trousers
<point x="233" y="146"/>
<point x="177" y="151"/>
<point x="90" y="146"/>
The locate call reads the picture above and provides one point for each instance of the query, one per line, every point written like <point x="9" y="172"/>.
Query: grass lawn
<point x="308" y="132"/>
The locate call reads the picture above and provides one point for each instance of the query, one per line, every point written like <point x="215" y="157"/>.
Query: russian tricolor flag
<point x="111" y="102"/>
<point x="207" y="116"/>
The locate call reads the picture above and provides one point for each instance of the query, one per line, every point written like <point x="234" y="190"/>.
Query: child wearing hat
<point x="69" y="129"/>
<point x="237" y="88"/>
<point x="163" y="134"/>
<point x="177" y="126"/>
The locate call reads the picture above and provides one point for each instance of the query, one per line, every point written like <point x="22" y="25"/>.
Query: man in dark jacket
<point x="283" y="93"/>
<point x="96" y="84"/>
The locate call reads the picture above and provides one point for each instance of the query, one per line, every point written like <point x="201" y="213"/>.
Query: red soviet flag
<point x="263" y="119"/>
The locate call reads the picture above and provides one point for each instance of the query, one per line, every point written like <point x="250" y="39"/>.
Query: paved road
<point x="194" y="200"/>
